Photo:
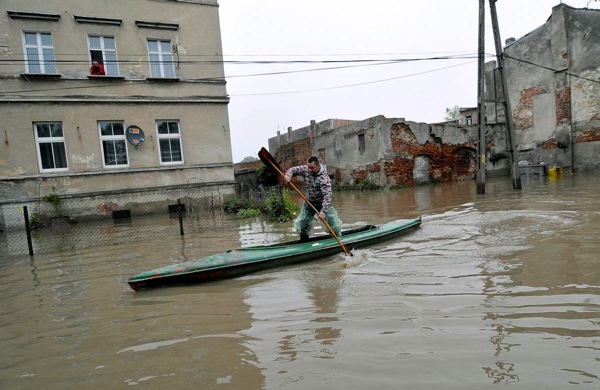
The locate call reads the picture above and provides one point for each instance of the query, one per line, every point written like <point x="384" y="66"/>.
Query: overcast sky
<point x="349" y="32"/>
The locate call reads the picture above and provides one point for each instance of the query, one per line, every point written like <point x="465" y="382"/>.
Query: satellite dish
<point x="135" y="135"/>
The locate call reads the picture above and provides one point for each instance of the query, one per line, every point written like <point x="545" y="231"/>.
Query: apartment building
<point x="110" y="101"/>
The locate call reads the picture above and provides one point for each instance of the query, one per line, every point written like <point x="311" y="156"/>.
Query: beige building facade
<point x="154" y="120"/>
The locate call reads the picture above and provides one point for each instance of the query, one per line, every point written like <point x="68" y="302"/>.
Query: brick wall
<point x="523" y="112"/>
<point x="563" y="105"/>
<point x="446" y="162"/>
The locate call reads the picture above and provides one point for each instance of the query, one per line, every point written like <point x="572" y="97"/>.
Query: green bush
<point x="363" y="185"/>
<point x="37" y="221"/>
<point x="248" y="213"/>
<point x="235" y="204"/>
<point x="366" y="185"/>
<point x="279" y="205"/>
<point x="53" y="199"/>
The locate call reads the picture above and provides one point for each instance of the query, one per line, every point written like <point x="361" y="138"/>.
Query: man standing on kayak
<point x="318" y="187"/>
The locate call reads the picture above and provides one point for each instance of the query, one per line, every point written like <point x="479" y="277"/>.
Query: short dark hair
<point x="313" y="160"/>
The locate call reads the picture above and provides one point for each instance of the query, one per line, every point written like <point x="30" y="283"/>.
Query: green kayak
<point x="242" y="261"/>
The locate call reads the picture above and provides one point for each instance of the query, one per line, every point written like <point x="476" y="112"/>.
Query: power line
<point x="354" y="85"/>
<point x="353" y="63"/>
<point x="356" y="63"/>
<point x="318" y="69"/>
<point x="550" y="69"/>
<point x="243" y="62"/>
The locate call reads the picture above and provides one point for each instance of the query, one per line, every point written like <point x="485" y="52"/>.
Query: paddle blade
<point x="272" y="165"/>
<point x="268" y="159"/>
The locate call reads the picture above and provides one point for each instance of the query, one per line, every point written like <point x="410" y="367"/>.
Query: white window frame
<point x="170" y="137"/>
<point x="39" y="59"/>
<point x="113" y="139"/>
<point x="109" y="55"/>
<point x="53" y="140"/>
<point x="162" y="66"/>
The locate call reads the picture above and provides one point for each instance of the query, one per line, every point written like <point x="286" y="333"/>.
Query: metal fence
<point x="58" y="223"/>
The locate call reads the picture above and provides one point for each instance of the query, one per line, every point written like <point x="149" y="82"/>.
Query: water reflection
<point x="543" y="298"/>
<point x="295" y="319"/>
<point x="258" y="231"/>
<point x="422" y="198"/>
<point x="501" y="373"/>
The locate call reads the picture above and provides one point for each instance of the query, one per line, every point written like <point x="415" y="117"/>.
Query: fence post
<point x="28" y="230"/>
<point x="180" y="216"/>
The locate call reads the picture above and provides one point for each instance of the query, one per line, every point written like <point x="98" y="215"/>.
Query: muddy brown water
<point x="495" y="289"/>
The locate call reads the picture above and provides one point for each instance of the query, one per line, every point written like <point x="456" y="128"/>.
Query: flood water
<point x="501" y="289"/>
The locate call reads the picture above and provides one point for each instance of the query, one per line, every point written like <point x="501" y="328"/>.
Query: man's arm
<point x="326" y="189"/>
<point x="294" y="171"/>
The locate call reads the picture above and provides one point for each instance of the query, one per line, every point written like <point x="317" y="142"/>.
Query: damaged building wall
<point x="390" y="152"/>
<point x="552" y="75"/>
<point x="315" y="129"/>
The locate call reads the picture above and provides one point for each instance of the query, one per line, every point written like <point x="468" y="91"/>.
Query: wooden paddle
<point x="269" y="161"/>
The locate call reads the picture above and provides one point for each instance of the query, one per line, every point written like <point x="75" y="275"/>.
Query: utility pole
<point x="510" y="126"/>
<point x="481" y="102"/>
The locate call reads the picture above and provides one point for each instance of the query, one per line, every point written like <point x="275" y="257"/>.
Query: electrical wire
<point x="548" y="68"/>
<point x="353" y="63"/>
<point x="22" y="60"/>
<point x="354" y="85"/>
